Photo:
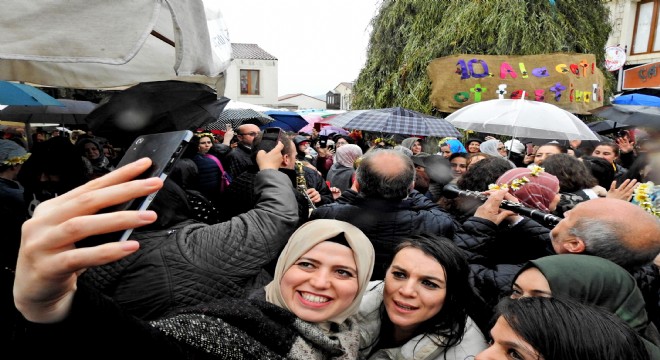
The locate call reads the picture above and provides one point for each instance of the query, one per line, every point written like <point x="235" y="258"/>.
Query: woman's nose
<point x="320" y="279"/>
<point x="407" y="289"/>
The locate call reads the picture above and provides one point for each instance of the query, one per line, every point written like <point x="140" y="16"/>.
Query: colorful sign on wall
<point x="571" y="81"/>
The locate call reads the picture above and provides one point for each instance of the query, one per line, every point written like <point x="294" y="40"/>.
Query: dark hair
<point x="476" y="178"/>
<point x="345" y="137"/>
<point x="560" y="328"/>
<point x="448" y="325"/>
<point x="573" y="175"/>
<point x="374" y="183"/>
<point x="559" y="147"/>
<point x="422" y="181"/>
<point x="611" y="144"/>
<point x="471" y="157"/>
<point x="458" y="154"/>
<point x="600" y="168"/>
<point x="287" y="141"/>
<point x="192" y="149"/>
<point x="483" y="173"/>
<point x="56" y="156"/>
<point x="635" y="170"/>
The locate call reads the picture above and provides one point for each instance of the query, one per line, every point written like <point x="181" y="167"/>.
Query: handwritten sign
<point x="571" y="81"/>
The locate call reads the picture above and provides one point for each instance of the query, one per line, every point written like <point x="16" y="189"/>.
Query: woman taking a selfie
<point x="304" y="313"/>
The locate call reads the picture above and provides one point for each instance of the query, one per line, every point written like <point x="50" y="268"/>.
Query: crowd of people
<point x="335" y="247"/>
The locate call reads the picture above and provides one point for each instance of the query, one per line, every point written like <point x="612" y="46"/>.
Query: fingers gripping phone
<point x="164" y="149"/>
<point x="270" y="138"/>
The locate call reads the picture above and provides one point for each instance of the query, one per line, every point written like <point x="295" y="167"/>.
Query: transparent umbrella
<point x="521" y="118"/>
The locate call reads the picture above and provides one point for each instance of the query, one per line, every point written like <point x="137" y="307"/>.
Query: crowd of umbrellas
<point x="161" y="106"/>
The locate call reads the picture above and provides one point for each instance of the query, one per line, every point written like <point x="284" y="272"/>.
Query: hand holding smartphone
<point x="164" y="149"/>
<point x="270" y="138"/>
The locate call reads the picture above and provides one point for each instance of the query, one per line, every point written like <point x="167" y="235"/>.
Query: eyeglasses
<point x="251" y="133"/>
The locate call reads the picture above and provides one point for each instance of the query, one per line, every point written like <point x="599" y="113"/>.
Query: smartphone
<point x="270" y="138"/>
<point x="529" y="149"/>
<point x="323" y="141"/>
<point x="164" y="149"/>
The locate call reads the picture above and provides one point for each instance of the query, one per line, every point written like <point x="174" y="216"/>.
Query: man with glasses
<point x="239" y="158"/>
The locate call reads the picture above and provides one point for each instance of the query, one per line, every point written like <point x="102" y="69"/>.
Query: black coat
<point x="387" y="222"/>
<point x="193" y="262"/>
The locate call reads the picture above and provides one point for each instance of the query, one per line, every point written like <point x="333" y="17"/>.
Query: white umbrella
<point x="233" y="104"/>
<point x="521" y="118"/>
<point x="100" y="44"/>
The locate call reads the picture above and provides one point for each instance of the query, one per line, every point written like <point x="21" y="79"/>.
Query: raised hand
<point x="271" y="159"/>
<point x="623" y="191"/>
<point x="48" y="261"/>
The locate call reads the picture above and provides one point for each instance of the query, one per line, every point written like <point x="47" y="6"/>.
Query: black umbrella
<point x="238" y="117"/>
<point x="154" y="107"/>
<point x="608" y="126"/>
<point x="634" y="115"/>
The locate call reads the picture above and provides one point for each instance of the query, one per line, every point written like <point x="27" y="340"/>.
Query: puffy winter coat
<point x="193" y="262"/>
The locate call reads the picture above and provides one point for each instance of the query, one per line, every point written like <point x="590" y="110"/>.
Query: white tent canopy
<point x="101" y="44"/>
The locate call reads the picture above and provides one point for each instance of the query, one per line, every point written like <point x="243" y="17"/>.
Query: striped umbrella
<point x="396" y="120"/>
<point x="238" y="117"/>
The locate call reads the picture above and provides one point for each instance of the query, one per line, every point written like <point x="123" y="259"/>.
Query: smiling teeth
<point x="405" y="307"/>
<point x="314" y="298"/>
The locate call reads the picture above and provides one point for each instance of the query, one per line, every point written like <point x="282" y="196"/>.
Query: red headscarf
<point x="537" y="193"/>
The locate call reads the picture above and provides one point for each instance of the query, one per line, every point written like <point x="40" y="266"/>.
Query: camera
<point x="621" y="133"/>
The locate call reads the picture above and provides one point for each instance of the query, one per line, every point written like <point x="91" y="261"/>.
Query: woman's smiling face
<point x="415" y="288"/>
<point x="322" y="283"/>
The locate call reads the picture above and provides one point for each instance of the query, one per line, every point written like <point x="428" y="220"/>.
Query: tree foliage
<point x="408" y="34"/>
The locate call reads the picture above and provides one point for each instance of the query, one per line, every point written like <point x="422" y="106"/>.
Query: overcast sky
<point x="319" y="43"/>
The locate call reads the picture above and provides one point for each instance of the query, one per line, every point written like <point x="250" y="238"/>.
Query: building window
<point x="647" y="33"/>
<point x="249" y="82"/>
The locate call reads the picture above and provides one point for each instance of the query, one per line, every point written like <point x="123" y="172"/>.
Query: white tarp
<point x="101" y="44"/>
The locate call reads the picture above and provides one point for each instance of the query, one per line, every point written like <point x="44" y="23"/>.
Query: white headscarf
<point x="347" y="154"/>
<point x="309" y="235"/>
<point x="490" y="147"/>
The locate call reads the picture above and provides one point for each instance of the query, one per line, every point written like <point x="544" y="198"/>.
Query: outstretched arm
<point x="48" y="261"/>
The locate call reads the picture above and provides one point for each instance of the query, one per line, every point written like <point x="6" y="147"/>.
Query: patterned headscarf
<point x="347" y="154"/>
<point x="309" y="235"/>
<point x="532" y="186"/>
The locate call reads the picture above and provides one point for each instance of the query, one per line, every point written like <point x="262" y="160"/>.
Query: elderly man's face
<point x="560" y="234"/>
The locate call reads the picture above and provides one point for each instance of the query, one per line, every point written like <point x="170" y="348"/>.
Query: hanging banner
<point x="571" y="81"/>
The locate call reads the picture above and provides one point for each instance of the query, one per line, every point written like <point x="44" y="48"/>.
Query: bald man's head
<point x="609" y="228"/>
<point x="246" y="133"/>
<point x="386" y="174"/>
